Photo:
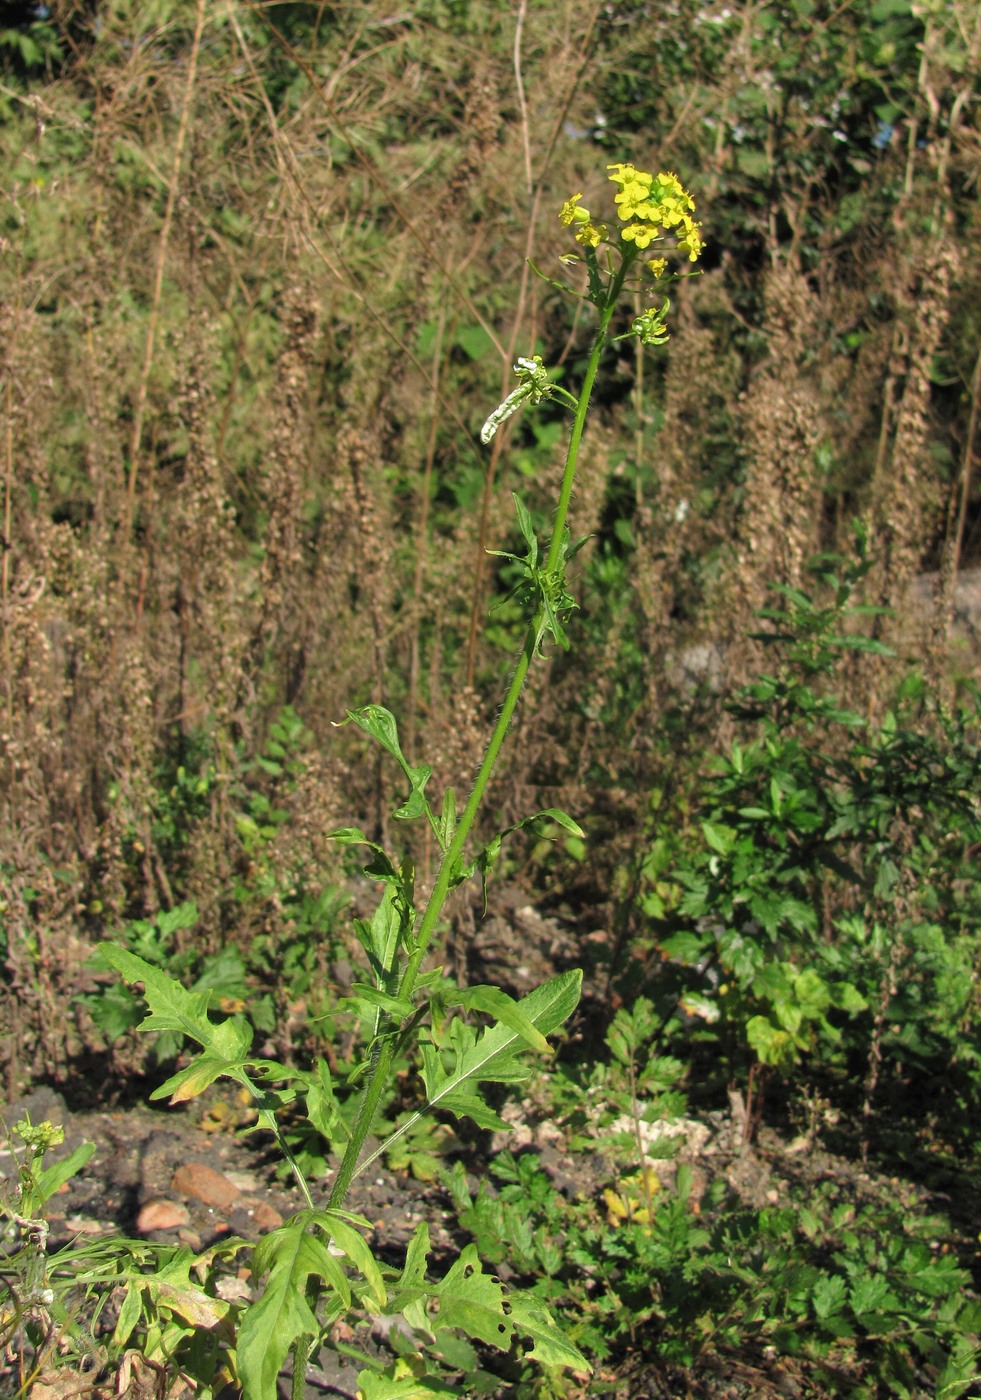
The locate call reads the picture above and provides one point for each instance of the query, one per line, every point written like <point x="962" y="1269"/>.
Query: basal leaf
<point x="700" y="1006"/>
<point x="171" y="1287"/>
<point x="493" y="1055"/>
<point x="270" y="1326"/>
<point x="375" y="1386"/>
<point x="412" y="1292"/>
<point x="414" y="1270"/>
<point x="344" y="1235"/>
<point x="129" y="1314"/>
<point x="189" y="1302"/>
<point x="194" y="1079"/>
<point x="467" y="1105"/>
<point x="772" y="1045"/>
<point x="172" y="1008"/>
<point x="685" y="947"/>
<point x="322" y="1109"/>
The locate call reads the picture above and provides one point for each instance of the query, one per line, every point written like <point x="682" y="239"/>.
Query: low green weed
<point x="115" y="1009"/>
<point x="842" y="1277"/>
<point x="263" y="980"/>
<point x="33" y="1316"/>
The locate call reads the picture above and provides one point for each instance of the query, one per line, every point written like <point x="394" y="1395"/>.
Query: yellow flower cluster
<point x="650" y="205"/>
<point x="586" y="231"/>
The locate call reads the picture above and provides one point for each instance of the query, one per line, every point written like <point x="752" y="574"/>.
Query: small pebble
<point x="162" y="1215"/>
<point x="203" y="1183"/>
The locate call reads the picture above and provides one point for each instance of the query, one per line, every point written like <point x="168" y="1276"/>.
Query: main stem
<point x="384" y="1050"/>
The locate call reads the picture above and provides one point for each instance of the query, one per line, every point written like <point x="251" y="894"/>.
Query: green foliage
<point x="837" y="87"/>
<point x="277" y="930"/>
<point x="115" y="1010"/>
<point x="860" y="1281"/>
<point x="843" y="1283"/>
<point x="817" y="896"/>
<point x="458" y="1058"/>
<point x="27" y="1288"/>
<point x="542" y="592"/>
<point x="221" y="976"/>
<point x="29" y="47"/>
<point x="308" y="1244"/>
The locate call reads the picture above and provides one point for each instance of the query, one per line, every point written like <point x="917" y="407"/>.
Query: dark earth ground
<point x="190" y="1175"/>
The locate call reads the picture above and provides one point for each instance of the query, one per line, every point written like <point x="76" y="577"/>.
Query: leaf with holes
<point x="531" y="1318"/>
<point x="475" y="1302"/>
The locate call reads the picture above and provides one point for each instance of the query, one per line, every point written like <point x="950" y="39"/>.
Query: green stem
<point x="384" y="1051"/>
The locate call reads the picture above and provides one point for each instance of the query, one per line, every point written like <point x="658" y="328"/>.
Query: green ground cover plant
<point x="837" y="1274"/>
<point x="849" y="1290"/>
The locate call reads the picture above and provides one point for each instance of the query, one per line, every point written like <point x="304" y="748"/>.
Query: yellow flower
<point x="649" y="206"/>
<point x="629" y="175"/>
<point x="634" y="1199"/>
<point x="570" y="213"/>
<point x="593" y="234"/>
<point x="634" y="192"/>
<point x="671" y="186"/>
<point x="587" y="233"/>
<point x="641" y="234"/>
<point x="691" y="243"/>
<point x="634" y="201"/>
<point x="657" y="266"/>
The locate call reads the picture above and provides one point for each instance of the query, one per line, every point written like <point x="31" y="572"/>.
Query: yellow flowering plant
<point x="650" y="207"/>
<point x="318" y="1266"/>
